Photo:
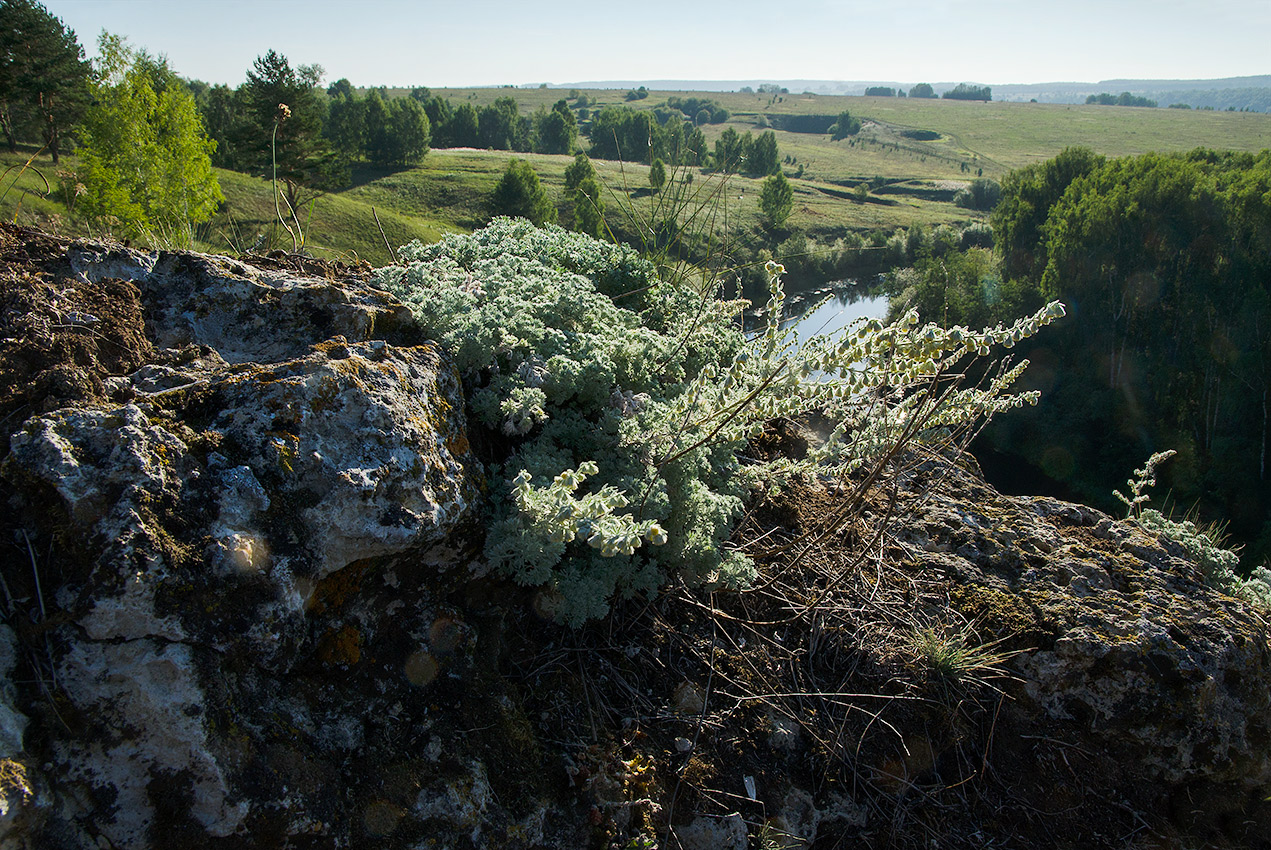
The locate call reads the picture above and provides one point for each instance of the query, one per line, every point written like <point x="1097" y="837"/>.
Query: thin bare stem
<point x="273" y="152"/>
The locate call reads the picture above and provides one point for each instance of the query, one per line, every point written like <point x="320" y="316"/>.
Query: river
<point x="845" y="301"/>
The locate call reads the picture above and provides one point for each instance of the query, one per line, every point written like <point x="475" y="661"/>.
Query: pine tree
<point x="657" y="176"/>
<point x="589" y="208"/>
<point x="764" y="157"/>
<point x="776" y="199"/>
<point x="286" y="142"/>
<point x="520" y="193"/>
<point x="43" y="75"/>
<point x="578" y="171"/>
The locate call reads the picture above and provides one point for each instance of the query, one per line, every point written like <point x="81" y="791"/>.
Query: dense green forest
<point x="1165" y="264"/>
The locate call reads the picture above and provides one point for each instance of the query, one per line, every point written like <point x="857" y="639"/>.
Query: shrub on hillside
<point x="520" y="194"/>
<point x="626" y="403"/>
<point x="982" y="194"/>
<point x="845" y="126"/>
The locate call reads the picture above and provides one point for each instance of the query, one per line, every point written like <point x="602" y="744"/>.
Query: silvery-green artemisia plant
<point x="629" y="400"/>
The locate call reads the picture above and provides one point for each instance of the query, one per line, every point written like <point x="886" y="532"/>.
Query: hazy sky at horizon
<point x="491" y="42"/>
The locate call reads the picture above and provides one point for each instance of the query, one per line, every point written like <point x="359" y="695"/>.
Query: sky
<point x="494" y="42"/>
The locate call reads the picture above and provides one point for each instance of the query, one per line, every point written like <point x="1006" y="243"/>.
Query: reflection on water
<point x="844" y="306"/>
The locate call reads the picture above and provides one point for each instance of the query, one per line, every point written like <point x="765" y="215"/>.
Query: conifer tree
<point x="776" y="199"/>
<point x="520" y="193"/>
<point x="578" y="171"/>
<point x="764" y="157"/>
<point x="589" y="208"/>
<point x="657" y="176"/>
<point x="43" y="75"/>
<point x="286" y="141"/>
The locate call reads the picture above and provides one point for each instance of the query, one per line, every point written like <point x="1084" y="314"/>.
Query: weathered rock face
<point x="245" y="609"/>
<point x="1129" y="642"/>
<point x="208" y="502"/>
<point x="244" y="313"/>
<point x="349" y="454"/>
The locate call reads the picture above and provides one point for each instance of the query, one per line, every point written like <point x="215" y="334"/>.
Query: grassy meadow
<point x="912" y="175"/>
<point x="1000" y="135"/>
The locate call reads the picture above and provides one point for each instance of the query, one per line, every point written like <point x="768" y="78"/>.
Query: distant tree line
<point x="699" y="110"/>
<point x="966" y="91"/>
<point x="635" y="135"/>
<point x="963" y="91"/>
<point x="1122" y="99"/>
<point x="1249" y="99"/>
<point x="641" y="135"/>
<point x="382" y="130"/>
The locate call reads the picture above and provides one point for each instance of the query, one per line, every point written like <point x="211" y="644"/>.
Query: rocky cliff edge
<point x="243" y="607"/>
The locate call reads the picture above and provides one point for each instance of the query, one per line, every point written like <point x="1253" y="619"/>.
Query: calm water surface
<point x="844" y="307"/>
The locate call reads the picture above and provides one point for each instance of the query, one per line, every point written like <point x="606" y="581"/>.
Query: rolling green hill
<point x="912" y="154"/>
<point x="1001" y="135"/>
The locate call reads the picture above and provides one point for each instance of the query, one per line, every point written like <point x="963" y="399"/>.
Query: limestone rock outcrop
<point x="1124" y="646"/>
<point x="245" y="607"/>
<point x="205" y="499"/>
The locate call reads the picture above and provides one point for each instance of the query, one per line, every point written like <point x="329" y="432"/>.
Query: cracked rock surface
<point x="245" y="607"/>
<point x="272" y="438"/>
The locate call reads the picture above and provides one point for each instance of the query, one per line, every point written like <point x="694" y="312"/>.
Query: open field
<point x="449" y="192"/>
<point x="913" y="153"/>
<point x="1001" y="136"/>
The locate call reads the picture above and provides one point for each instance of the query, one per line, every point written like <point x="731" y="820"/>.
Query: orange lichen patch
<point x="441" y="405"/>
<point x="445" y="635"/>
<point x="421" y="668"/>
<point x="458" y="444"/>
<point x="341" y="646"/>
<point x="328" y="393"/>
<point x="338" y="344"/>
<point x="699" y="772"/>
<point x="1002" y="613"/>
<point x="334" y="590"/>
